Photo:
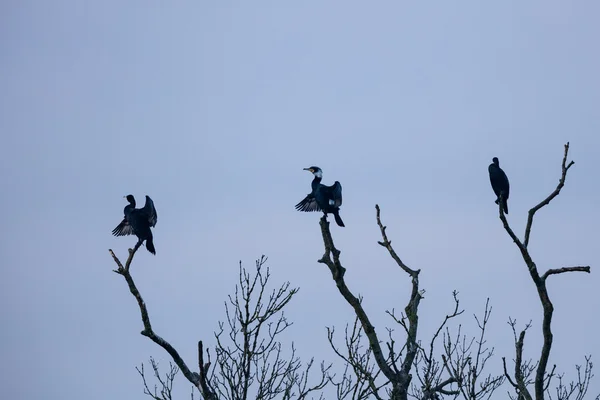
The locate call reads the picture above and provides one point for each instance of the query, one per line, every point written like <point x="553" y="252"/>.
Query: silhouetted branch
<point x="193" y="377"/>
<point x="400" y="378"/>
<point x="579" y="388"/>
<point x="337" y="272"/>
<point x="166" y="383"/>
<point x="541" y="377"/>
<point x="523" y="369"/>
<point x="411" y="309"/>
<point x="565" y="269"/>
<point x="429" y="370"/>
<point x="467" y="366"/>
<point x="251" y="361"/>
<point x="561" y="182"/>
<point x="359" y="360"/>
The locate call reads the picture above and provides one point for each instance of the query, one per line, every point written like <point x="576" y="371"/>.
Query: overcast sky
<point x="214" y="109"/>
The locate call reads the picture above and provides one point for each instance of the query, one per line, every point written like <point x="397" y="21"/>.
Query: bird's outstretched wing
<point x="150" y="211"/>
<point x="123" y="229"/>
<point x="308" y="204"/>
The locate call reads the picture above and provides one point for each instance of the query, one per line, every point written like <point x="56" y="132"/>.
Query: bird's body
<point x="327" y="199"/>
<point x="499" y="182"/>
<point x="138" y="221"/>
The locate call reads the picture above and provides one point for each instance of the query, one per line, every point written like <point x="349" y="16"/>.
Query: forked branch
<point x="540" y="282"/>
<point x="561" y="182"/>
<point x="398" y="376"/>
<point x="337" y="272"/>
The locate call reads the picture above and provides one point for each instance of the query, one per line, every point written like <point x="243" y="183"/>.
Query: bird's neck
<point x="128" y="209"/>
<point x="316" y="182"/>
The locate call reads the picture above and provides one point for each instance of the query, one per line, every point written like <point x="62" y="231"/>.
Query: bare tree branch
<point x="578" y="388"/>
<point x="359" y="360"/>
<point x="565" y="269"/>
<point x="430" y="374"/>
<point x="337" y="272"/>
<point x="561" y="182"/>
<point x="540" y="281"/>
<point x="166" y="383"/>
<point x="400" y="378"/>
<point x="251" y="361"/>
<point x="411" y="309"/>
<point x="193" y="377"/>
<point x="523" y="369"/>
<point x="467" y="366"/>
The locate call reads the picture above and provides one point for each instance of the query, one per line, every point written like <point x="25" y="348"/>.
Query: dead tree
<point x="375" y="372"/>
<point x="250" y="361"/>
<point x="523" y="371"/>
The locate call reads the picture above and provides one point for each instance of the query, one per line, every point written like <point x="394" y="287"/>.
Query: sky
<point x="214" y="108"/>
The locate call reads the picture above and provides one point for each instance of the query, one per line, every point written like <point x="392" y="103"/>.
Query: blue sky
<point x="213" y="109"/>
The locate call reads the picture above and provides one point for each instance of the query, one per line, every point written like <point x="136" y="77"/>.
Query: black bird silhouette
<point x="499" y="182"/>
<point x="322" y="198"/>
<point x="138" y="222"/>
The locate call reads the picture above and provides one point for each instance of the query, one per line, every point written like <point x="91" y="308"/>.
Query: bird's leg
<point x="500" y="198"/>
<point x="137" y="245"/>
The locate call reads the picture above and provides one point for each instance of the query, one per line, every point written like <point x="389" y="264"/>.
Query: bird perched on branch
<point x="138" y="221"/>
<point x="499" y="182"/>
<point x="322" y="198"/>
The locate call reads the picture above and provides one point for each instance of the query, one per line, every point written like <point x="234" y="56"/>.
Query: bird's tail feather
<point x="505" y="205"/>
<point x="150" y="245"/>
<point x="338" y="219"/>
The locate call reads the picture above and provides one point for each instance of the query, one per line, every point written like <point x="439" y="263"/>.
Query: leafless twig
<point x="166" y="383"/>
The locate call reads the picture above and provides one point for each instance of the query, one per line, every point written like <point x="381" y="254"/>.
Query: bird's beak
<point x="308" y="169"/>
<point x="124" y="197"/>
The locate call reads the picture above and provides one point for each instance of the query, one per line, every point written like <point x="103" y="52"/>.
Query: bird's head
<point x="130" y="198"/>
<point x="316" y="171"/>
<point x="495" y="161"/>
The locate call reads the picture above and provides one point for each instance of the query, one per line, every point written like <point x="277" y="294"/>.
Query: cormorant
<point x="499" y="182"/>
<point x="138" y="221"/>
<point x="322" y="198"/>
